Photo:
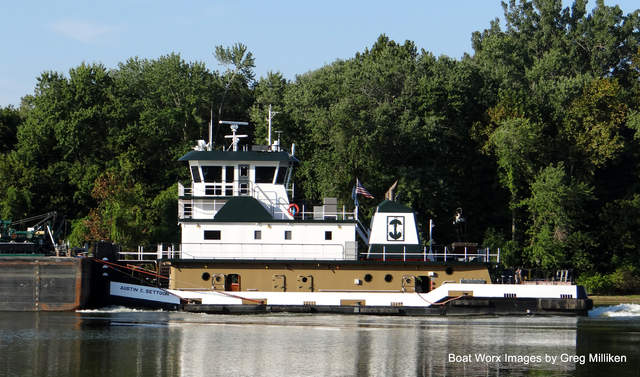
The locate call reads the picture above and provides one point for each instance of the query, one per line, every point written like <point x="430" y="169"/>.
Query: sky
<point x="292" y="37"/>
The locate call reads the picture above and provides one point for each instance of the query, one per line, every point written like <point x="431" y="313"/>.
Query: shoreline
<point x="600" y="300"/>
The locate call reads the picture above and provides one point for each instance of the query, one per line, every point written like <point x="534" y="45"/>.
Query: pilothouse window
<point x="212" y="173"/>
<point x="282" y="174"/>
<point x="264" y="174"/>
<point x="244" y="171"/>
<point x="195" y="173"/>
<point x="229" y="174"/>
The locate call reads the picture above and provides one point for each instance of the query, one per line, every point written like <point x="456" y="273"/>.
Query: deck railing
<point x="476" y="255"/>
<point x="162" y="252"/>
<point x="339" y="215"/>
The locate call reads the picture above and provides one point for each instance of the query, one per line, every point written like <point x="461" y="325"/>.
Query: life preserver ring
<point x="293" y="209"/>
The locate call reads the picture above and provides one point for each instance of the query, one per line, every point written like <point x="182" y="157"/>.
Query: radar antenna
<point x="234" y="138"/>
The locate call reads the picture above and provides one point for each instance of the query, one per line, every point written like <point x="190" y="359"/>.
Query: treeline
<point x="535" y="136"/>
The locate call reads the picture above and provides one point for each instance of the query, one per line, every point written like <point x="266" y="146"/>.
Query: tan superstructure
<point x="322" y="276"/>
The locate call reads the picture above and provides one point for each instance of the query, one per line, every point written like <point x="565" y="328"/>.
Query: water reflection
<point x="187" y="344"/>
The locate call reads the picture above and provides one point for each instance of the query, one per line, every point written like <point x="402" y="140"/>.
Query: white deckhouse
<point x="238" y="207"/>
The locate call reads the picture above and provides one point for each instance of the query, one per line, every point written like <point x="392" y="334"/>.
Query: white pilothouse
<point x="238" y="208"/>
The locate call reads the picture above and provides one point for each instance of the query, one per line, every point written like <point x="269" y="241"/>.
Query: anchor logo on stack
<point x="395" y="228"/>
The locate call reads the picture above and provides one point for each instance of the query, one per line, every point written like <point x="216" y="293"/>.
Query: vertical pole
<point x="210" y="146"/>
<point x="430" y="235"/>
<point x="269" y="119"/>
<point x="465" y="253"/>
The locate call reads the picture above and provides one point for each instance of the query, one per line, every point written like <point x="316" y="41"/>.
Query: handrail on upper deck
<point x="480" y="255"/>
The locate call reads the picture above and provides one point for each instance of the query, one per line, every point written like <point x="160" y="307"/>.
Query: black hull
<point x="471" y="307"/>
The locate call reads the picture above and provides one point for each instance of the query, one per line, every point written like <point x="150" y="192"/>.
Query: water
<point x="121" y="342"/>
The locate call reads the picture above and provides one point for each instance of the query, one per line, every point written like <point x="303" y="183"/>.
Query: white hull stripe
<point x="141" y="292"/>
<point x="383" y="298"/>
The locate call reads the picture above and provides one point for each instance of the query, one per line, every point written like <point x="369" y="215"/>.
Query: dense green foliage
<point x="536" y="136"/>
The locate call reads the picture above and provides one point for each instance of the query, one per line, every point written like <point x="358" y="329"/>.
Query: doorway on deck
<point x="423" y="284"/>
<point x="232" y="282"/>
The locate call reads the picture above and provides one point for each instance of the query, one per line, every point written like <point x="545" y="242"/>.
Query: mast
<point x="269" y="118"/>
<point x="210" y="145"/>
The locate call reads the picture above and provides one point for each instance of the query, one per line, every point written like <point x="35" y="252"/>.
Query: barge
<point x="249" y="247"/>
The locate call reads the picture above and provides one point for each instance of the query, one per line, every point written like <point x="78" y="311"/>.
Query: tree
<point x="593" y="125"/>
<point x="239" y="63"/>
<point x="557" y="206"/>
<point x="518" y="146"/>
<point x="119" y="216"/>
<point x="10" y="119"/>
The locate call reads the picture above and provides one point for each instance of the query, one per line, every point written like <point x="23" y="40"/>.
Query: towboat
<point x="248" y="247"/>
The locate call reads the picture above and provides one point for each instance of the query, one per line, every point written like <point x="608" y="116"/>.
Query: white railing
<point x="476" y="255"/>
<point x="170" y="252"/>
<point x="297" y="251"/>
<point x="279" y="206"/>
<point x="331" y="215"/>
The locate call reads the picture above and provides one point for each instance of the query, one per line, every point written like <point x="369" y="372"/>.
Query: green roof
<point x="236" y="156"/>
<point x="393" y="206"/>
<point x="243" y="208"/>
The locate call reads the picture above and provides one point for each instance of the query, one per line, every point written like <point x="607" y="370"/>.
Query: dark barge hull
<point x="44" y="283"/>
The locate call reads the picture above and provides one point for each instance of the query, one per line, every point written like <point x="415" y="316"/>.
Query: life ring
<point x="293" y="209"/>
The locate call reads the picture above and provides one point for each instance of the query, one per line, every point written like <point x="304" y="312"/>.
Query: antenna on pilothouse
<point x="234" y="127"/>
<point x="210" y="145"/>
<point x="269" y="118"/>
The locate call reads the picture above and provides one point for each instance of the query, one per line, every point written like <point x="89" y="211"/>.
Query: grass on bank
<point x="615" y="300"/>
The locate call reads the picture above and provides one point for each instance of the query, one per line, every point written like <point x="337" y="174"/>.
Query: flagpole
<point x="431" y="239"/>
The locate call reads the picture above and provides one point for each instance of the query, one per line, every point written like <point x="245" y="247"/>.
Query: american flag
<point x="360" y="190"/>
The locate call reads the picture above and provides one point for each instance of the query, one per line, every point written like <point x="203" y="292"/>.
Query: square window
<point x="328" y="235"/>
<point x="229" y="173"/>
<point x="244" y="171"/>
<point x="287" y="234"/>
<point x="257" y="235"/>
<point x="212" y="235"/>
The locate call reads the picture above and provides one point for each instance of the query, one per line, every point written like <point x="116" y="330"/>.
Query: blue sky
<point x="292" y="37"/>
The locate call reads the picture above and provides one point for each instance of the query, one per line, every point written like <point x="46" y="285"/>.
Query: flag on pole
<point x="359" y="189"/>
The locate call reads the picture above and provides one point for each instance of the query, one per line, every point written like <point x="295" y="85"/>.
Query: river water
<point x="122" y="342"/>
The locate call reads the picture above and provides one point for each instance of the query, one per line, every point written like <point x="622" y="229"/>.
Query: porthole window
<point x="388" y="278"/>
<point x="368" y="278"/>
<point x="304" y="279"/>
<point x="449" y="270"/>
<point x="206" y="276"/>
